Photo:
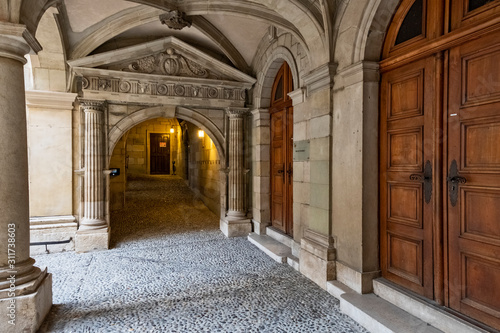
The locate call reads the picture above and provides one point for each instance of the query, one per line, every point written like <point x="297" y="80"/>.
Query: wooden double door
<point x="159" y="152"/>
<point x="440" y="177"/>
<point x="282" y="152"/>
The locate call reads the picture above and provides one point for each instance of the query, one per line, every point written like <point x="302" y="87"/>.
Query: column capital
<point x="91" y="105"/>
<point x="16" y="41"/>
<point x="237" y="112"/>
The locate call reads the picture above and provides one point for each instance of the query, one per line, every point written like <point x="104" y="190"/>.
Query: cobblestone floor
<point x="172" y="270"/>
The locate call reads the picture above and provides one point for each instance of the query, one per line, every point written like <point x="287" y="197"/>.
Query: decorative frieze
<point x="161" y="88"/>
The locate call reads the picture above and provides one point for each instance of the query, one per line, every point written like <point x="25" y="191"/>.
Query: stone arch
<point x="362" y="32"/>
<point x="190" y="115"/>
<point x="268" y="72"/>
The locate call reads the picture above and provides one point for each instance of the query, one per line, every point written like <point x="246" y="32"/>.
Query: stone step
<point x="432" y="314"/>
<point x="276" y="250"/>
<point x="282" y="238"/>
<point x="376" y="314"/>
<point x="294" y="262"/>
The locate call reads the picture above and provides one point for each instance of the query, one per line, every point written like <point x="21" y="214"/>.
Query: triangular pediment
<point x="169" y="57"/>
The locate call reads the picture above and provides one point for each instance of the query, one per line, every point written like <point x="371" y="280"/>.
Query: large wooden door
<point x="406" y="163"/>
<point x="282" y="152"/>
<point x="473" y="199"/>
<point x="440" y="154"/>
<point x="159" y="153"/>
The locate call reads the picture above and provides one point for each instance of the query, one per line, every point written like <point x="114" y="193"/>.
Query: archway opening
<point x="169" y="168"/>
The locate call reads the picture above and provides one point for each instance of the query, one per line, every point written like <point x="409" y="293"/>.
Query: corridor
<point x="171" y="269"/>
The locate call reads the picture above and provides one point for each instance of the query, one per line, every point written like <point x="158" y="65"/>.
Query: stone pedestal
<point x="236" y="223"/>
<point x="21" y="283"/>
<point x="93" y="230"/>
<point x="317" y="257"/>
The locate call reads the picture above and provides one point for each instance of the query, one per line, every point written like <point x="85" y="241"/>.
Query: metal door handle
<point x="426" y="178"/>
<point x="457" y="179"/>
<point x="453" y="180"/>
<point x="280" y="171"/>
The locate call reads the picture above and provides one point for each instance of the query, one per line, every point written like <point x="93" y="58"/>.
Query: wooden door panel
<point x="405" y="204"/>
<point x="405" y="258"/>
<point x="407" y="112"/>
<point x="474" y="147"/>
<point x="159" y="153"/>
<point x="405" y="150"/>
<point x="278" y="154"/>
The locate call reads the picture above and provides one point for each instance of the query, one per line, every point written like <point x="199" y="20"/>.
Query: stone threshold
<point x="275" y="249"/>
<point x="389" y="309"/>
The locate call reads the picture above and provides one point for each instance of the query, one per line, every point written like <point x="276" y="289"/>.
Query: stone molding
<point x="298" y="96"/>
<point x="318" y="244"/>
<point x="320" y="78"/>
<point x="50" y="100"/>
<point x="363" y="71"/>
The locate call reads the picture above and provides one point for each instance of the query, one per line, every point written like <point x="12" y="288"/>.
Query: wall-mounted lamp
<point x="201" y="134"/>
<point x="172" y="129"/>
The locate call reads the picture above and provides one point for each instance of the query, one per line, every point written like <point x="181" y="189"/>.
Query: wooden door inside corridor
<point x="440" y="162"/>
<point x="282" y="152"/>
<point x="159" y="144"/>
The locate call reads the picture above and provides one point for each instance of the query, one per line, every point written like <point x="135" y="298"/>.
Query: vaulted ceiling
<point x="230" y="31"/>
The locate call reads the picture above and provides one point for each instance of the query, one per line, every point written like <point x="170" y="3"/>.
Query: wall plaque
<point x="301" y="151"/>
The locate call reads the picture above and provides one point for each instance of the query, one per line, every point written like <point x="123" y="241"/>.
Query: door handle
<point x="280" y="171"/>
<point x="426" y="178"/>
<point x="453" y="180"/>
<point x="289" y="173"/>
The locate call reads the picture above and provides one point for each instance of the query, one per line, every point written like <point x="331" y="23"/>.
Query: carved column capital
<point x="237" y="113"/>
<point x="89" y="105"/>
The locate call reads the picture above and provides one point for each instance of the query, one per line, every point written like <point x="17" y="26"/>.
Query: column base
<point x="92" y="240"/>
<point x="260" y="227"/>
<point x="30" y="310"/>
<point x="317" y="258"/>
<point x="235" y="227"/>
<point x="362" y="283"/>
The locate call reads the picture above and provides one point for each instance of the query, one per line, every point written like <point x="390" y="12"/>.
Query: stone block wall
<point x="204" y="168"/>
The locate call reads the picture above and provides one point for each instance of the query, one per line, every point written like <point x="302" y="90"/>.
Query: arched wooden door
<point x="440" y="154"/>
<point x="282" y="152"/>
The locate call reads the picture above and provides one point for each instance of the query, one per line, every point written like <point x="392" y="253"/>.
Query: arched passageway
<point x="162" y="149"/>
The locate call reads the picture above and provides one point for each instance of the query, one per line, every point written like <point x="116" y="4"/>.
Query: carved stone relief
<point x="175" y="19"/>
<point x="162" y="88"/>
<point x="167" y="63"/>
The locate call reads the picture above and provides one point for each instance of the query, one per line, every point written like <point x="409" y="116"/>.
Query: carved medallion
<point x="162" y="89"/>
<point x="125" y="86"/>
<point x="179" y="90"/>
<point x="171" y="66"/>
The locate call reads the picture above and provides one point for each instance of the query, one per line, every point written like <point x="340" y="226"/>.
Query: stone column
<point x="93" y="230"/>
<point x="25" y="290"/>
<point x="236" y="223"/>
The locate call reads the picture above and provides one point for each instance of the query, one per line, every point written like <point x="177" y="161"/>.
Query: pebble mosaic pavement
<point x="170" y="269"/>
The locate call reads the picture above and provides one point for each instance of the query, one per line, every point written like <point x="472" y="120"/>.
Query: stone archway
<point x="261" y="129"/>
<point x="191" y="115"/>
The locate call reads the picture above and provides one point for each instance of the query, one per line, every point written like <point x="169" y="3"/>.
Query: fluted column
<point x="236" y="222"/>
<point x="93" y="229"/>
<point x="18" y="276"/>
<point x="236" y="203"/>
<point x="93" y="205"/>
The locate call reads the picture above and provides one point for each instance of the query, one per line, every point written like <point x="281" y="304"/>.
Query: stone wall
<point x="204" y="167"/>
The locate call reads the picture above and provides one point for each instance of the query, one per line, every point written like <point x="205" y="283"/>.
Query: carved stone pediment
<point x="169" y="62"/>
<point x="168" y="56"/>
